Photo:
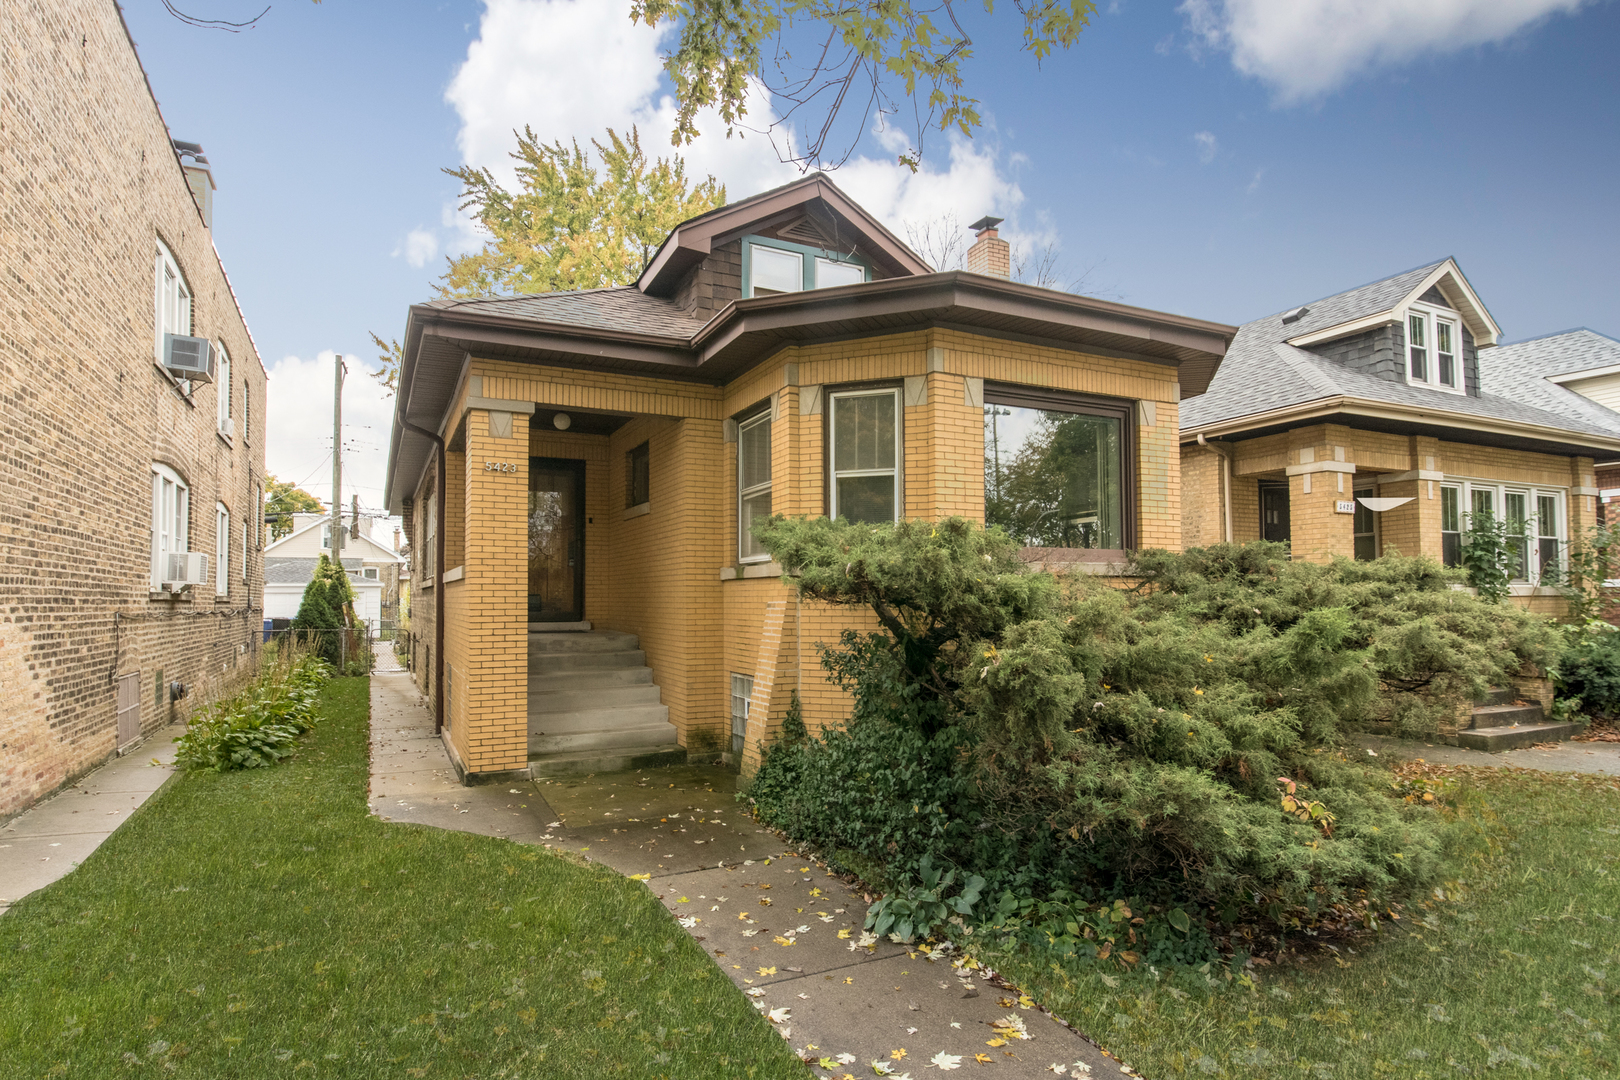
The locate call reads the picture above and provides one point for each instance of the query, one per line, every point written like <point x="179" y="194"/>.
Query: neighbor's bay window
<point x="1055" y="468"/>
<point x="753" y="483"/>
<point x="865" y="458"/>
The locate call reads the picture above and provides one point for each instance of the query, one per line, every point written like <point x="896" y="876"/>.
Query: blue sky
<point x="1222" y="158"/>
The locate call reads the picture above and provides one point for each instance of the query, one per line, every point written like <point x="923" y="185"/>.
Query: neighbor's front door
<point x="1274" y="513"/>
<point x="556" y="540"/>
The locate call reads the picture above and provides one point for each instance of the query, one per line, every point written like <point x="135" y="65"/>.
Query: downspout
<point x="1226" y="479"/>
<point x="438" y="571"/>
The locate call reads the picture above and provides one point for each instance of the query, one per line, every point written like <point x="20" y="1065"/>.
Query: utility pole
<point x="337" y="459"/>
<point x="354" y="519"/>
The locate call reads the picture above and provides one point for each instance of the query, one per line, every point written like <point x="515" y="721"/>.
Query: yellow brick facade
<point x="1325" y="464"/>
<point x="671" y="574"/>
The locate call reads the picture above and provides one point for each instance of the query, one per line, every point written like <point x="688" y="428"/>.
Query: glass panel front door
<point x="556" y="540"/>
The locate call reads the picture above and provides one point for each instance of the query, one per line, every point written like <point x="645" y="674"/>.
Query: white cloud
<point x="419" y="248"/>
<point x="570" y="69"/>
<point x="1206" y="147"/>
<point x="1307" y="48"/>
<point x="300" y="441"/>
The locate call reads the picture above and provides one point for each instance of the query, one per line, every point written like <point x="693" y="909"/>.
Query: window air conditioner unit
<point x="182" y="568"/>
<point x="188" y="357"/>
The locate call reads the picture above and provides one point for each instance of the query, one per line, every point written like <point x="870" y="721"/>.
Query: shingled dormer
<point x="804" y="235"/>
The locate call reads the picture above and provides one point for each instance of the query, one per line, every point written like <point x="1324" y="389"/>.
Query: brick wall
<point x="89" y="184"/>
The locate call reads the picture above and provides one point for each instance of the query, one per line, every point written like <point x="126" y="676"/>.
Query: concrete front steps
<point x="593" y="706"/>
<point x="1501" y="724"/>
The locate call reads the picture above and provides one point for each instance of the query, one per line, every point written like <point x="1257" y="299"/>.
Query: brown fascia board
<point x="962" y="290"/>
<point x="1323" y="409"/>
<point x="692" y="241"/>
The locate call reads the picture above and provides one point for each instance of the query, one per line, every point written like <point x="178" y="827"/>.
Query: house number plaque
<point x="500" y="466"/>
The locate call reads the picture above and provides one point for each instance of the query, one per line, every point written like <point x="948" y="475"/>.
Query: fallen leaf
<point x="896" y="1055"/>
<point x="640" y="877"/>
<point x="843" y="935"/>
<point x="982" y="1059"/>
<point x="996" y="1042"/>
<point x="946" y="1062"/>
<point x="767" y="971"/>
<point x="776" y="1016"/>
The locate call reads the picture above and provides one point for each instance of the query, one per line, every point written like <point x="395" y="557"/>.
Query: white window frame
<point x="223" y="403"/>
<point x="745" y="493"/>
<point x="430" y="530"/>
<point x="1534" y="534"/>
<point x="1430" y="318"/>
<point x="171" y="517"/>
<point x="369" y="573"/>
<point x="171" y="300"/>
<point x="822" y="260"/>
<point x="222" y="549"/>
<point x="245" y="550"/>
<point x="834" y="473"/>
<point x="754" y="263"/>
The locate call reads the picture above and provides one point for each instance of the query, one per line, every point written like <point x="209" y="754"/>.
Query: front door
<point x="1274" y="513"/>
<point x="556" y="540"/>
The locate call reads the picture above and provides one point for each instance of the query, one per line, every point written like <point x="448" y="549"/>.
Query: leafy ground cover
<point x="1511" y="968"/>
<point x="261" y="923"/>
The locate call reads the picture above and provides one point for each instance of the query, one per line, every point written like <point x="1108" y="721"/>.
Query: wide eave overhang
<point x="439" y="341"/>
<point x="1365" y="414"/>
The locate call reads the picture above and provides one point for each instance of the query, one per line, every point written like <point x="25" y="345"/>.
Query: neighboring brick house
<point x="1361" y="423"/>
<point x="107" y="462"/>
<point x="1574" y="373"/>
<point x="595" y="460"/>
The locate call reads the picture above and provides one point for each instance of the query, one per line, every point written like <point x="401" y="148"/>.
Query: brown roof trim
<point x="691" y="241"/>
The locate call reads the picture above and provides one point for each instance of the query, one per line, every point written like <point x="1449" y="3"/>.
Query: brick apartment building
<point x="595" y="461"/>
<point x="109" y="463"/>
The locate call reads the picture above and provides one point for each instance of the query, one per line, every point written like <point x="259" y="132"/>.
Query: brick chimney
<point x="198" y="178"/>
<point x="990" y="254"/>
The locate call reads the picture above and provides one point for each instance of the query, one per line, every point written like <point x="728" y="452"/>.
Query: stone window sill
<point x="638" y="510"/>
<point x="751" y="570"/>
<point x="454" y="575"/>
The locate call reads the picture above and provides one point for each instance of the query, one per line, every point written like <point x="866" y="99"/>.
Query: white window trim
<point x="225" y="424"/>
<point x="245" y="550"/>
<point x="1532" y="493"/>
<point x="1430" y="316"/>
<point x="834" y="473"/>
<point x="160" y="293"/>
<point x="222" y="550"/>
<point x="170" y="521"/>
<point x="743" y="493"/>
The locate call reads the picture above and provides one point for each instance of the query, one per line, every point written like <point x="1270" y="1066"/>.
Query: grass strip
<point x="1514" y="967"/>
<point x="263" y="924"/>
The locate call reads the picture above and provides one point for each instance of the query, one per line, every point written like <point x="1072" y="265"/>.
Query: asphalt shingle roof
<point x="1521" y="370"/>
<point x="288" y="571"/>
<point x="1262" y="373"/>
<point x="620" y="307"/>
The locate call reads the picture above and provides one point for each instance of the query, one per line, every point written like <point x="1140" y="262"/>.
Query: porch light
<point x="561" y="421"/>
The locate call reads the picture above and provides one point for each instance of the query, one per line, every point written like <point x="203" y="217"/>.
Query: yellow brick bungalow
<point x="579" y="472"/>
<point x="1382" y="419"/>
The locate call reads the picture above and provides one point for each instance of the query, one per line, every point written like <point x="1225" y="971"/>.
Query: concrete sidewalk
<point x="786" y="932"/>
<point x="47" y="841"/>
<point x="1577" y="757"/>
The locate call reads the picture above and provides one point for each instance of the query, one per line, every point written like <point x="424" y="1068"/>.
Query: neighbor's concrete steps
<point x="1501" y="724"/>
<point x="593" y="706"/>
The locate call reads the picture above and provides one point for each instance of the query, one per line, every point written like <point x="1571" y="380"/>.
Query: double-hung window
<point x="753" y="483"/>
<point x="171" y="512"/>
<point x="1531" y="519"/>
<point x="223" y="381"/>
<point x="171" y="301"/>
<point x="865" y="458"/>
<point x="1365" y="528"/>
<point x="222" y="549"/>
<point x="1434" y="348"/>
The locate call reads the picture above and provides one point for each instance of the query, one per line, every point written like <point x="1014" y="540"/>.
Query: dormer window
<point x="778" y="266"/>
<point x="1434" y="348"/>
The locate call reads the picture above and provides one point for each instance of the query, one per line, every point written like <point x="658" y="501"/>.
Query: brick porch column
<point x="495" y="631"/>
<point x="1319" y="478"/>
<point x="944" y="454"/>
<point x="1414" y="529"/>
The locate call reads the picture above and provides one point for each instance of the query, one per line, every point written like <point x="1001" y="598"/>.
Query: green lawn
<point x="1515" y="972"/>
<point x="262" y="923"/>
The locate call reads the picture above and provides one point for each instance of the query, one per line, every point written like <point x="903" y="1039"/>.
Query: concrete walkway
<point x="1564" y="757"/>
<point x="48" y="840"/>
<point x="786" y="932"/>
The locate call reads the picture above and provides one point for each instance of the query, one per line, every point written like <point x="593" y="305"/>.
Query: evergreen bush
<point x="327" y="610"/>
<point x="1073" y="742"/>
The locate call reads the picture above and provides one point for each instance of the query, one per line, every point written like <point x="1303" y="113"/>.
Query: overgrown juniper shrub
<point x="1073" y="742"/>
<point x="260" y="725"/>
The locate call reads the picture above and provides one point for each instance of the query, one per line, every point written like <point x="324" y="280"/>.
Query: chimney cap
<point x="986" y="222"/>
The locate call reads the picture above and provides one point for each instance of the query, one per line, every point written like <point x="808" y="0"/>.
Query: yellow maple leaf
<point x="782" y="941"/>
<point x="996" y="1042"/>
<point x="982" y="1059"/>
<point x="843" y="935"/>
<point x="896" y="1055"/>
<point x="767" y="971"/>
<point x="640" y="877"/>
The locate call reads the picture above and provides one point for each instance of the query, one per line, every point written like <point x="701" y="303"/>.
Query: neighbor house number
<point x="500" y="466"/>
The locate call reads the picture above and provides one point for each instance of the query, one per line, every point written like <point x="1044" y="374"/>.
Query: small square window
<point x="638" y="476"/>
<point x="775" y="271"/>
<point x="831" y="273"/>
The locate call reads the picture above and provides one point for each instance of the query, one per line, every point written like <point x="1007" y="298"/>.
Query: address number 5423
<point x="500" y="466"/>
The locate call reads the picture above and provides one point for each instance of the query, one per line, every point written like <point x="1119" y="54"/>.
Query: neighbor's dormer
<point x="805" y="235"/>
<point x="1423" y="328"/>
